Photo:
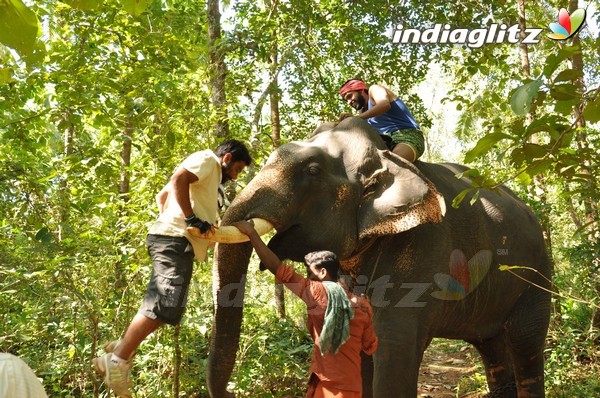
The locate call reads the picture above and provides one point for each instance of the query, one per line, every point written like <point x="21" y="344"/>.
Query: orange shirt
<point x="341" y="370"/>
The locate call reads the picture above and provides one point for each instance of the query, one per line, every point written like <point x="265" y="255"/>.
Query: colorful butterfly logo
<point x="567" y="25"/>
<point x="464" y="276"/>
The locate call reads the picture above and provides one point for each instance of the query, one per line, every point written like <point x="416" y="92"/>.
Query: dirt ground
<point x="447" y="370"/>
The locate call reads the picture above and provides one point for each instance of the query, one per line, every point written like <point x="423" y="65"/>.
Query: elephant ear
<point x="396" y="198"/>
<point x="323" y="127"/>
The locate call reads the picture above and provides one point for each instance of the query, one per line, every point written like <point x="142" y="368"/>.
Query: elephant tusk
<point x="230" y="234"/>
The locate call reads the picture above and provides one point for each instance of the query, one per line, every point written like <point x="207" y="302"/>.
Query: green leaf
<point x="591" y="113"/>
<point x="474" y="198"/>
<point x="461" y="196"/>
<point x="565" y="107"/>
<point x="85" y="5"/>
<point x="568" y="75"/>
<point x="517" y="156"/>
<point x="135" y="7"/>
<point x="564" y="91"/>
<point x="19" y="26"/>
<point x="508" y="267"/>
<point x="520" y="101"/>
<point x="43" y="235"/>
<point x="539" y="167"/>
<point x="470" y="173"/>
<point x="6" y="75"/>
<point x="534" y="151"/>
<point x="524" y="179"/>
<point x="549" y="123"/>
<point x="567" y="171"/>
<point x="484" y="145"/>
<point x="554" y="60"/>
<point x="552" y="63"/>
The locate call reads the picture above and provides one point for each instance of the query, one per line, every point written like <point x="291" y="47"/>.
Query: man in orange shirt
<point x="339" y="322"/>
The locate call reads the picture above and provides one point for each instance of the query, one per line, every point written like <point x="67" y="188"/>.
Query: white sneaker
<point x="111" y="346"/>
<point x="115" y="374"/>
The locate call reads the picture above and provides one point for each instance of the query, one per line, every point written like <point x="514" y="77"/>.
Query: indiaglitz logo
<point x="464" y="275"/>
<point x="474" y="38"/>
<point x="567" y="24"/>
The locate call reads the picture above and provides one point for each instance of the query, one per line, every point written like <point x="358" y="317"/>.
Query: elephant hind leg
<point x="498" y="366"/>
<point x="525" y="332"/>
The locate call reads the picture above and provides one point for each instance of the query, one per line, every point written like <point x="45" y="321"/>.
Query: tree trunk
<point x="94" y="349"/>
<point x="276" y="138"/>
<point x="120" y="279"/>
<point x="539" y="181"/>
<point x="126" y="161"/>
<point x="176" y="361"/>
<point x="591" y="208"/>
<point x="279" y="294"/>
<point x="522" y="36"/>
<point x="63" y="196"/>
<point x="274" y="96"/>
<point x="217" y="70"/>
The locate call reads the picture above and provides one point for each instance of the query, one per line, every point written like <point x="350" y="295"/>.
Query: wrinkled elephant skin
<point x="431" y="270"/>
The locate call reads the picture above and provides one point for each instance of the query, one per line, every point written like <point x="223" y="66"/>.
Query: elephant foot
<point x="506" y="391"/>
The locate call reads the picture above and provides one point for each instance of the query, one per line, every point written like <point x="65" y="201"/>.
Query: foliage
<point x="274" y="355"/>
<point x="81" y="78"/>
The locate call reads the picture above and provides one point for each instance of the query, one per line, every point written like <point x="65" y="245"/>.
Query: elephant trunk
<point x="229" y="276"/>
<point x="229" y="281"/>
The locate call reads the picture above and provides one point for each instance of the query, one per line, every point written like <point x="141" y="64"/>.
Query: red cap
<point x="353" y="85"/>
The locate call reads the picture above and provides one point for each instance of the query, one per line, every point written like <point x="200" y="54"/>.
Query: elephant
<point x="430" y="269"/>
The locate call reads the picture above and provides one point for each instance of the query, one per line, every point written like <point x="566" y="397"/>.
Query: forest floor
<point x="451" y="369"/>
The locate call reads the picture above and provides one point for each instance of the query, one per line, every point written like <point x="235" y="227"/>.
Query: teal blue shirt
<point x="397" y="118"/>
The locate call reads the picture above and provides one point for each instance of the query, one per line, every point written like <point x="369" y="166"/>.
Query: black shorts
<point x="172" y="264"/>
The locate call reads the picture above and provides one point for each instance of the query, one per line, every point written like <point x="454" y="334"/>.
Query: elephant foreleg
<point x="396" y="369"/>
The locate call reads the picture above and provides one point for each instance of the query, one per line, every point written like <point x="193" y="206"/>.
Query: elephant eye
<point x="314" y="169"/>
<point x="369" y="188"/>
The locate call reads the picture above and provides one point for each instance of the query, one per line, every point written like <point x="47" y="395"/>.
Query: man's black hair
<point x="324" y="259"/>
<point x="237" y="149"/>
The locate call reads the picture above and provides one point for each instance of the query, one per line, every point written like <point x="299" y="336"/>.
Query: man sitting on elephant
<point x="388" y="114"/>
<point x="339" y="322"/>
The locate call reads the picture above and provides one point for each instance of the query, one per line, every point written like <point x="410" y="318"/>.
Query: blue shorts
<point x="172" y="262"/>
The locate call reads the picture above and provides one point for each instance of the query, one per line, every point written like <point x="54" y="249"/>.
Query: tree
<point x="99" y="101"/>
<point x="218" y="70"/>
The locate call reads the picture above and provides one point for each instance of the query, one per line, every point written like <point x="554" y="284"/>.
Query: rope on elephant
<point x="373" y="272"/>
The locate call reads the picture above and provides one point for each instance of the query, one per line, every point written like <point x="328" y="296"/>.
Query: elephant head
<point x="336" y="191"/>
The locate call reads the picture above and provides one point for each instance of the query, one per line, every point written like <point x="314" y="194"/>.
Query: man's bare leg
<point x="405" y="152"/>
<point x="141" y="326"/>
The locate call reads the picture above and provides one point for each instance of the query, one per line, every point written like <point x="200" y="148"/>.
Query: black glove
<point x="194" y="221"/>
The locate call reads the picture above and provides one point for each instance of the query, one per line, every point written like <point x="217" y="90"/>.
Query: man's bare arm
<point x="162" y="197"/>
<point x="382" y="104"/>
<point x="266" y="255"/>
<point x="180" y="183"/>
